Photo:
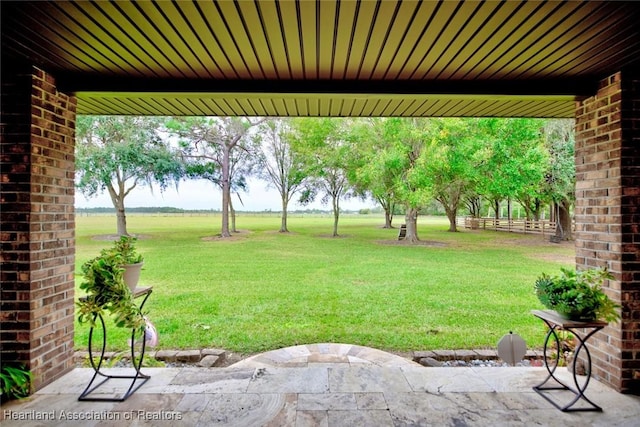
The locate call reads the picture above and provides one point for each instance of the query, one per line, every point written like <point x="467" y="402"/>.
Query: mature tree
<point x="282" y="167"/>
<point x="492" y="187"/>
<point x="560" y="179"/>
<point x="241" y="165"/>
<point x="120" y="153"/>
<point x="512" y="162"/>
<point x="369" y="173"/>
<point x="320" y="142"/>
<point x="451" y="163"/>
<point x="530" y="195"/>
<point x="407" y="158"/>
<point x="217" y="140"/>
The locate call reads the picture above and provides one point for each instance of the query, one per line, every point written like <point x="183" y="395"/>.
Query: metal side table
<point x="137" y="378"/>
<point x="556" y="323"/>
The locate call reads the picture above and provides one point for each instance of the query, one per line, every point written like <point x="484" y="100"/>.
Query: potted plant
<point x="578" y="295"/>
<point x="126" y="256"/>
<point x="103" y="281"/>
<point x="15" y="382"/>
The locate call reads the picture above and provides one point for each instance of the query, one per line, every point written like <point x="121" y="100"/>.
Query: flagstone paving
<point x="316" y="354"/>
<point x="320" y="385"/>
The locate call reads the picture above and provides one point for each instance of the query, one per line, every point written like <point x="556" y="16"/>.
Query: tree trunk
<point x="232" y="213"/>
<point x="563" y="222"/>
<point x="336" y="216"/>
<point x="388" y="211"/>
<point x="118" y="203"/>
<point x="496" y="208"/>
<point x="528" y="212"/>
<point x="411" y="219"/>
<point x="226" y="192"/>
<point x="473" y="204"/>
<point x="121" y="219"/>
<point x="451" y="214"/>
<point x="388" y="218"/>
<point x="537" y="209"/>
<point x="451" y="208"/>
<point x="283" y="221"/>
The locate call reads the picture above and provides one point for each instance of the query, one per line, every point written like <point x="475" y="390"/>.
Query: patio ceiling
<point x="325" y="58"/>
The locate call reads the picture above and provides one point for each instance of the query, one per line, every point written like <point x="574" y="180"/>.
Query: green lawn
<point x="265" y="290"/>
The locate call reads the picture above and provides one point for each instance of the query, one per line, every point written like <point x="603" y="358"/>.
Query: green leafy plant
<point x="124" y="251"/>
<point x="15" y="382"/>
<point x="107" y="293"/>
<point x="578" y="295"/>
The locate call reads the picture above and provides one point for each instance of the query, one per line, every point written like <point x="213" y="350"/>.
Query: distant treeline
<point x="163" y="209"/>
<point x="172" y="210"/>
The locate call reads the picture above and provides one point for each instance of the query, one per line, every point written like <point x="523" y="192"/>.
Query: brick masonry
<point x="607" y="218"/>
<point x="37" y="215"/>
<point x="37" y="212"/>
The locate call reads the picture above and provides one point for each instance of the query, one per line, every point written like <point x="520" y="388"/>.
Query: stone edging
<point x="211" y="357"/>
<point x="436" y="357"/>
<point x="206" y="358"/>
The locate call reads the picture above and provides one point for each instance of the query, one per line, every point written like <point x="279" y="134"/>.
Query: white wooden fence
<point x="543" y="227"/>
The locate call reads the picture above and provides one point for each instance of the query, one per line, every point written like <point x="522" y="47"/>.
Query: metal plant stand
<point x="556" y="323"/>
<point x="137" y="379"/>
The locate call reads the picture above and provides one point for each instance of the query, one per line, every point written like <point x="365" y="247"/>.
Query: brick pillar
<point x="608" y="218"/>
<point x="37" y="223"/>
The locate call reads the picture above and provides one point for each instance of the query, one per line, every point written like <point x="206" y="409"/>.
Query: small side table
<point x="138" y="377"/>
<point x="555" y="322"/>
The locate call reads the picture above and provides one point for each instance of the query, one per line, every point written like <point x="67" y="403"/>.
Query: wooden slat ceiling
<point x="325" y="58"/>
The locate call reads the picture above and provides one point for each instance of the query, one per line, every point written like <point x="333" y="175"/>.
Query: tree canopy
<point x="320" y="143"/>
<point x="405" y="164"/>
<point x="120" y="153"/>
<point x="452" y="162"/>
<point x="404" y="161"/>
<point x="221" y="150"/>
<point x="281" y="166"/>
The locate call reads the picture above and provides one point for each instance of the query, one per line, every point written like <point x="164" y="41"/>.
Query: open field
<point x="264" y="290"/>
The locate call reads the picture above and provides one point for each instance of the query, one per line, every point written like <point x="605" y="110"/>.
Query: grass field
<point x="264" y="290"/>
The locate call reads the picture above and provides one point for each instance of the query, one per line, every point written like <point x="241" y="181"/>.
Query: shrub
<point x="15" y="382"/>
<point x="578" y="295"/>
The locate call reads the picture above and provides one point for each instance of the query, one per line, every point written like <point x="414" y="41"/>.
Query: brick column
<point x="608" y="218"/>
<point x="37" y="232"/>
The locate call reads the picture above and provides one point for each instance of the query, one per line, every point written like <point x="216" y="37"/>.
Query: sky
<point x="202" y="194"/>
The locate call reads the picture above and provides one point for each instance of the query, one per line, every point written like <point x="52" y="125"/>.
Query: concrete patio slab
<point x="330" y="394"/>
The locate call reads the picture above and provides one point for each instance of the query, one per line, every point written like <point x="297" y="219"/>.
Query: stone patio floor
<point x="321" y="385"/>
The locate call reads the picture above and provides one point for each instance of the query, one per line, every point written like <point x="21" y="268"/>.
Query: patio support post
<point x="37" y="233"/>
<point x="608" y="218"/>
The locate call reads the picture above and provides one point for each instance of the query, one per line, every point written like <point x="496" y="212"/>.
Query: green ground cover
<point x="264" y="290"/>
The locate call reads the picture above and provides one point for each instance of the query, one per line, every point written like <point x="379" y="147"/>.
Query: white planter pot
<point x="131" y="274"/>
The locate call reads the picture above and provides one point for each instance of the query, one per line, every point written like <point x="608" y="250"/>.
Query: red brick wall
<point x="607" y="219"/>
<point x="37" y="211"/>
<point x="630" y="177"/>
